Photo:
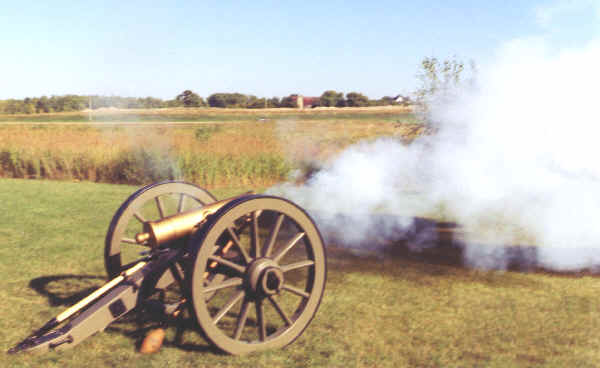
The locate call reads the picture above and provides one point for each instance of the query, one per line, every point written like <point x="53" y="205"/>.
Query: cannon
<point x="250" y="270"/>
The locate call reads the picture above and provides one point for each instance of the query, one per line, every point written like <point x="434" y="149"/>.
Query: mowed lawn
<point x="378" y="311"/>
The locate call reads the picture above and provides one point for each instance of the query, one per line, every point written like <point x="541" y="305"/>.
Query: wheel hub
<point x="264" y="277"/>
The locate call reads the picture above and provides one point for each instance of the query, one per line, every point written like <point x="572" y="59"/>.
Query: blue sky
<point x="265" y="48"/>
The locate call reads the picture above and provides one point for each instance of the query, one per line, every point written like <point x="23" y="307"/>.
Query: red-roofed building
<point x="302" y="101"/>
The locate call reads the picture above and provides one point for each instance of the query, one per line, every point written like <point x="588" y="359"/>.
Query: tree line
<point x="68" y="103"/>
<point x="187" y="98"/>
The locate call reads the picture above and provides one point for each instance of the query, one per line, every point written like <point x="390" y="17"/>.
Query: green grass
<point x="388" y="311"/>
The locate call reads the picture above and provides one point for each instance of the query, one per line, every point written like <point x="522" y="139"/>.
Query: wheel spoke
<point x="273" y="235"/>
<point x="216" y="280"/>
<point x="232" y="282"/>
<point x="129" y="241"/>
<point x="199" y="202"/>
<point x="226" y="263"/>
<point x="296" y="291"/>
<point x="139" y="217"/>
<point x="287" y="248"/>
<point x="241" y="322"/>
<point x="260" y="317"/>
<point x="295" y="266"/>
<point x="279" y="310"/>
<point x="227" y="307"/>
<point x="180" y="203"/>
<point x="236" y="241"/>
<point x="159" y="205"/>
<point x="255" y="246"/>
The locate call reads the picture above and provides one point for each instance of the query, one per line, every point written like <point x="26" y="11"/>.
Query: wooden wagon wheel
<point x="152" y="202"/>
<point x="274" y="274"/>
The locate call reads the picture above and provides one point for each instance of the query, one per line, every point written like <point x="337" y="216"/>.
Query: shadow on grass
<point x="432" y="242"/>
<point x="66" y="290"/>
<point x="442" y="243"/>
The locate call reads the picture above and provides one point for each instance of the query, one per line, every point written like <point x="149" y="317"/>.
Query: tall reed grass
<point x="135" y="155"/>
<point x="211" y="155"/>
<point x="139" y="165"/>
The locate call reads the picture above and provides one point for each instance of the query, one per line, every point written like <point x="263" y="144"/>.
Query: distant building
<point x="402" y="100"/>
<point x="308" y="102"/>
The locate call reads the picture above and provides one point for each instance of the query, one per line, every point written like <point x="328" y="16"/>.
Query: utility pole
<point x="90" y="107"/>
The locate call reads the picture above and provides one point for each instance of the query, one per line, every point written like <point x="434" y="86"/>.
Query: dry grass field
<point x="210" y="114"/>
<point x="236" y="147"/>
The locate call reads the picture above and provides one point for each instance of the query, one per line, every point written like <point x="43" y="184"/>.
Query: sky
<point x="265" y="48"/>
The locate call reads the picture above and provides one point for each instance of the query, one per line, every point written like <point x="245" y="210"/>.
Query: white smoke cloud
<point x="355" y="197"/>
<point x="516" y="159"/>
<point x="529" y="150"/>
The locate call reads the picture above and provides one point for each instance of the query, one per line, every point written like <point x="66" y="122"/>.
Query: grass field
<point x="384" y="310"/>
<point x="235" y="147"/>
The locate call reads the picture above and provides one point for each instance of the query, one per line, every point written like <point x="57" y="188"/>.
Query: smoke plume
<point x="515" y="161"/>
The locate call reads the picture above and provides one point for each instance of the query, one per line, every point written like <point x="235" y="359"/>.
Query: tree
<point x="29" y="108"/>
<point x="42" y="105"/>
<point x="331" y="98"/>
<point x="256" y="103"/>
<point x="439" y="79"/>
<point x="217" y="100"/>
<point x="355" y="99"/>
<point x="173" y="103"/>
<point x="236" y="100"/>
<point x="77" y="103"/>
<point x="11" y="107"/>
<point x="190" y="99"/>
<point x="151" y="102"/>
<point x="289" y="101"/>
<point x="228" y="100"/>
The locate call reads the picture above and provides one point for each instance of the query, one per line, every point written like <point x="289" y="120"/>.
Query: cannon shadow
<point x="66" y="290"/>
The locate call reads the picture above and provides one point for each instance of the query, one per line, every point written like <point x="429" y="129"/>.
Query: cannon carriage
<point x="250" y="270"/>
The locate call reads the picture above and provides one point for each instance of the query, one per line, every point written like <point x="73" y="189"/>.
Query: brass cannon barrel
<point x="178" y="226"/>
